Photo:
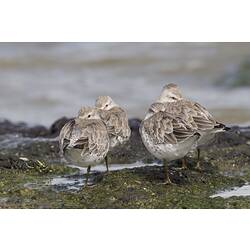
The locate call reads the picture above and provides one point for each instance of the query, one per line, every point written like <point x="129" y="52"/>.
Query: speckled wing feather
<point x="203" y="118"/>
<point x="65" y="135"/>
<point x="192" y="114"/>
<point x="89" y="135"/>
<point x="116" y="122"/>
<point x="164" y="128"/>
<point x="93" y="137"/>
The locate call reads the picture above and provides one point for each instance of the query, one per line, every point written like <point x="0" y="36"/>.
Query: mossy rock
<point x="127" y="188"/>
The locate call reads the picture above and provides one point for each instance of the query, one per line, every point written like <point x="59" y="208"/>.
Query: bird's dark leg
<point x="106" y="162"/>
<point x="87" y="175"/>
<point x="198" y="159"/>
<point x="184" y="163"/>
<point x="167" y="181"/>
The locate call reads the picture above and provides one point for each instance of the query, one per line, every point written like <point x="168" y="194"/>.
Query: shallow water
<point x="11" y="141"/>
<point x="76" y="182"/>
<point x="41" y="82"/>
<point x="237" y="191"/>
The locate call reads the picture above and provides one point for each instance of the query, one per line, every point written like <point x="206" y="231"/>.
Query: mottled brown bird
<point x="116" y="121"/>
<point x="174" y="126"/>
<point x="84" y="140"/>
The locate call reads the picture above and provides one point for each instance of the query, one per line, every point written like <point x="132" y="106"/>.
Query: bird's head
<point x="87" y="113"/>
<point x="170" y="93"/>
<point x="105" y="103"/>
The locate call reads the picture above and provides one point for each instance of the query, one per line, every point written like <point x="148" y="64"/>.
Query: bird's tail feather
<point x="222" y="126"/>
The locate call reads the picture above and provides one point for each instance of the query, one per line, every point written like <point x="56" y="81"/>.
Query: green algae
<point x="136" y="188"/>
<point x="25" y="174"/>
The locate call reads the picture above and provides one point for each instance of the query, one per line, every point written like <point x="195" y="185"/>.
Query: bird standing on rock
<point x="116" y="121"/>
<point x="174" y="126"/>
<point x="84" y="140"/>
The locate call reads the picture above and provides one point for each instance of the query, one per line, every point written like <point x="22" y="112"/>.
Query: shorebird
<point x="174" y="126"/>
<point x="84" y="140"/>
<point x="116" y="121"/>
<point x="197" y="115"/>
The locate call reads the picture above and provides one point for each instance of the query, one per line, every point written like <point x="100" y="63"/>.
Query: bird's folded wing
<point x="65" y="134"/>
<point x="202" y="118"/>
<point x="116" y="122"/>
<point x="71" y="134"/>
<point x="80" y="137"/>
<point x="192" y="114"/>
<point x="164" y="128"/>
<point x="97" y="137"/>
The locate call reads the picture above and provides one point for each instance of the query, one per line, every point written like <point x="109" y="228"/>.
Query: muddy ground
<point x="32" y="175"/>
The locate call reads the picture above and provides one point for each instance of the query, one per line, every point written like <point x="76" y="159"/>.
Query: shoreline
<point x="33" y="176"/>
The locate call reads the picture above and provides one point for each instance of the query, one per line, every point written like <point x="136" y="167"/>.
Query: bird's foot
<point x="198" y="166"/>
<point x="90" y="186"/>
<point x="181" y="168"/>
<point x="183" y="165"/>
<point x="167" y="182"/>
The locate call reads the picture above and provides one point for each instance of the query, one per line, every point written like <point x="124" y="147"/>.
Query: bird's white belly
<point x="74" y="156"/>
<point x="169" y="152"/>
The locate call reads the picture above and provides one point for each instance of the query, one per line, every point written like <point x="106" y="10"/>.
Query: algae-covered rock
<point x="32" y="174"/>
<point x="136" y="188"/>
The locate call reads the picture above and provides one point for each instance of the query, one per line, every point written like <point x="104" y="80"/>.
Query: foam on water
<point x="237" y="191"/>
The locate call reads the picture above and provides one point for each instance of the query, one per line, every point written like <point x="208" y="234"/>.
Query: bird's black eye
<point x="89" y="116"/>
<point x="173" y="98"/>
<point x="106" y="105"/>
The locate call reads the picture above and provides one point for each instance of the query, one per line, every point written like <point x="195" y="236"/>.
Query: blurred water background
<point x="41" y="82"/>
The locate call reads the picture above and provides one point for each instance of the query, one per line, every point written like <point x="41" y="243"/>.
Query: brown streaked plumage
<point x="193" y="113"/>
<point x="163" y="127"/>
<point x="167" y="137"/>
<point x="173" y="126"/>
<point x="84" y="140"/>
<point x="115" y="119"/>
<point x="190" y="113"/>
<point x="170" y="93"/>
